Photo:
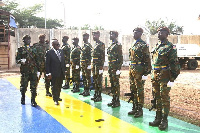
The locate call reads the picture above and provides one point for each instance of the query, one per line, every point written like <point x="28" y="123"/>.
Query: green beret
<point x="86" y="34"/>
<point x="65" y="37"/>
<point x="138" y="30"/>
<point x="97" y="32"/>
<point x="163" y="29"/>
<point x="114" y="32"/>
<point x="26" y="36"/>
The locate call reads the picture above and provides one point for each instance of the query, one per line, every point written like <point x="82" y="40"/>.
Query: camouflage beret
<point x="114" y="32"/>
<point x="26" y="36"/>
<point x="65" y="37"/>
<point x="75" y="38"/>
<point x="42" y="35"/>
<point x="163" y="29"/>
<point x="138" y="29"/>
<point x="97" y="32"/>
<point x="86" y="34"/>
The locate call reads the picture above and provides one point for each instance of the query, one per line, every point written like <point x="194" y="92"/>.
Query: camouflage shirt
<point x="99" y="54"/>
<point x="140" y="57"/>
<point x="115" y="57"/>
<point x="86" y="54"/>
<point x="75" y="55"/>
<point x="28" y="53"/>
<point x="41" y="52"/>
<point x="66" y="50"/>
<point x="165" y="56"/>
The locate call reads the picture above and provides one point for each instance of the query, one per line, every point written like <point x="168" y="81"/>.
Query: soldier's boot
<point x="139" y="112"/>
<point x="66" y="86"/>
<point x="116" y="102"/>
<point x="164" y="123"/>
<point x="23" y="98"/>
<point x="134" y="110"/>
<point x="95" y="95"/>
<point x="48" y="93"/>
<point x="87" y="92"/>
<point x="98" y="98"/>
<point x="76" y="88"/>
<point x="111" y="103"/>
<point x="33" y="103"/>
<point x="82" y="92"/>
<point x="157" y="120"/>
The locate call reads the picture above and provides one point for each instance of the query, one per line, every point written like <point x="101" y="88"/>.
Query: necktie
<point x="58" y="54"/>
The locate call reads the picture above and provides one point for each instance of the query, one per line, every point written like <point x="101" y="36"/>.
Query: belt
<point x="112" y="61"/>
<point x="136" y="63"/>
<point x="82" y="60"/>
<point x="95" y="58"/>
<point x="157" y="67"/>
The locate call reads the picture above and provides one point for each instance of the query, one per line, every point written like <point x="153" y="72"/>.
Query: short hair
<point x="26" y="36"/>
<point x="138" y="30"/>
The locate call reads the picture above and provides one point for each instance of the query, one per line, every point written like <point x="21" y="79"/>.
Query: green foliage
<point x="98" y="28"/>
<point x="25" y="17"/>
<point x="152" y="26"/>
<point x="86" y="27"/>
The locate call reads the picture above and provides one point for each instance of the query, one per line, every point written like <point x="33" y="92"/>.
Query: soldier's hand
<point x="100" y="71"/>
<point x="77" y="66"/>
<point x="38" y="74"/>
<point x="67" y="65"/>
<point x="89" y="67"/>
<point x="144" y="77"/>
<point x="118" y="72"/>
<point x="170" y="84"/>
<point x="23" y="61"/>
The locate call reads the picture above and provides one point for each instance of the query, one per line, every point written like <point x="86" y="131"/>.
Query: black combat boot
<point x="134" y="109"/>
<point x="111" y="103"/>
<point x="23" y="98"/>
<point x="33" y="103"/>
<point x="98" y="98"/>
<point x="95" y="95"/>
<point x="157" y="120"/>
<point x="66" y="86"/>
<point x="116" y="102"/>
<point x="164" y="123"/>
<point x="75" y="88"/>
<point x="86" y="92"/>
<point x="139" y="112"/>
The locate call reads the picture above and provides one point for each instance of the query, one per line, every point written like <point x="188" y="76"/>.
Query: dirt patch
<point x="184" y="95"/>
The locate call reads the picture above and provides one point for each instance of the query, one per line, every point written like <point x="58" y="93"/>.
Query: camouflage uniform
<point x="140" y="65"/>
<point x="66" y="49"/>
<point x="41" y="52"/>
<point x="165" y="68"/>
<point x="86" y="72"/>
<point x="98" y="63"/>
<point x="115" y="60"/>
<point x="28" y="71"/>
<point x="75" y="58"/>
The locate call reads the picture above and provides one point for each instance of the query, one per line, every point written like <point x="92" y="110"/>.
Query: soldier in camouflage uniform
<point x="42" y="47"/>
<point x="86" y="65"/>
<point x="75" y="61"/>
<point x="115" y="60"/>
<point x="97" y="65"/>
<point x="140" y="67"/>
<point x="165" y="70"/>
<point x="26" y="56"/>
<point x="66" y="49"/>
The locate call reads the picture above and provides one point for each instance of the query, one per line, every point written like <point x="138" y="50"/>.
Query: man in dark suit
<point x="55" y="69"/>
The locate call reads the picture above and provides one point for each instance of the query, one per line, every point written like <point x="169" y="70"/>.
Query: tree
<point x="98" y="27"/>
<point x="152" y="27"/>
<point x="26" y="17"/>
<point x="86" y="27"/>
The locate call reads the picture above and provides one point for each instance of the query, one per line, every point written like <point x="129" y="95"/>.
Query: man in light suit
<point x="55" y="69"/>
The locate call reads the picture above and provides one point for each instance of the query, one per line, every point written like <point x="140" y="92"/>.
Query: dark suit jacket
<point x="53" y="64"/>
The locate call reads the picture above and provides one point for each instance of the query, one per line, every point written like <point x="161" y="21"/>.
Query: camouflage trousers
<point x="47" y="81"/>
<point x="86" y="74"/>
<point x="76" y="75"/>
<point x="114" y="80"/>
<point x="137" y="87"/>
<point x="161" y="91"/>
<point x="67" y="74"/>
<point x="25" y="78"/>
<point x="97" y="78"/>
